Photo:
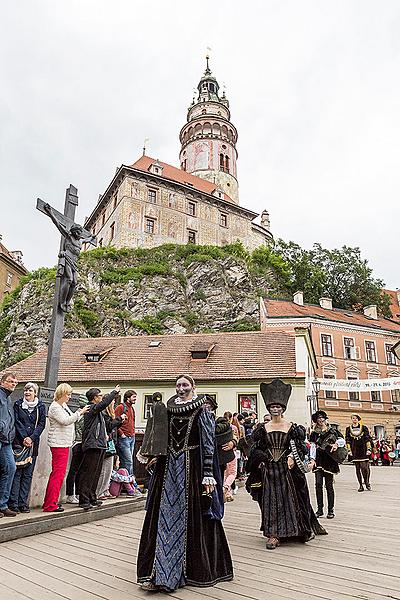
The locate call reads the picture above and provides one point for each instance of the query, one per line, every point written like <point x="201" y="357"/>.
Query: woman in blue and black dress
<point x="183" y="541"/>
<point x="277" y="481"/>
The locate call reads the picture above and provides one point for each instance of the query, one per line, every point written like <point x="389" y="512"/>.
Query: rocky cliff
<point x="166" y="290"/>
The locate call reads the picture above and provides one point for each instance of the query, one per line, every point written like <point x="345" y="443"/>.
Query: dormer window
<point x="156" y="168"/>
<point x="201" y="351"/>
<point x="93" y="357"/>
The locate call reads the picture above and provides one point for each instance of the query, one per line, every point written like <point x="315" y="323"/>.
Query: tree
<point x="341" y="274"/>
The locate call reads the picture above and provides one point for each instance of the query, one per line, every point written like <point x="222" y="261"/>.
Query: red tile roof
<point x="395" y="305"/>
<point x="174" y="174"/>
<point x="288" y="309"/>
<point x="252" y="355"/>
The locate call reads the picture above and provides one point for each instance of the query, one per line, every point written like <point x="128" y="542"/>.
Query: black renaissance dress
<point x="282" y="493"/>
<point x="183" y="541"/>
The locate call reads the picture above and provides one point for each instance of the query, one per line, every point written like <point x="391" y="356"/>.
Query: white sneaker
<point x="72" y="499"/>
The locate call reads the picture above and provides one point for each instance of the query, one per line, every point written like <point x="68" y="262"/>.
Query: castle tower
<point x="209" y="139"/>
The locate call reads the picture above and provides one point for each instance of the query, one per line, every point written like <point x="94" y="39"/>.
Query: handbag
<point x="23" y="456"/>
<point x="340" y="455"/>
<point x="111" y="450"/>
<point x="303" y="465"/>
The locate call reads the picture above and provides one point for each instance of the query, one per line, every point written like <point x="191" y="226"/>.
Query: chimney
<point x="326" y="303"/>
<point x="298" y="298"/>
<point x="371" y="311"/>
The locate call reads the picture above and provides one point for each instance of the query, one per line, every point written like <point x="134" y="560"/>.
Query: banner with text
<point x="360" y="385"/>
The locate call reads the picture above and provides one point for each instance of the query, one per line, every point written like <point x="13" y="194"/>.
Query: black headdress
<point x="276" y="392"/>
<point x="319" y="413"/>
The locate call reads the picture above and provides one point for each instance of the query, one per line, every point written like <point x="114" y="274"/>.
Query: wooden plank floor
<point x="358" y="559"/>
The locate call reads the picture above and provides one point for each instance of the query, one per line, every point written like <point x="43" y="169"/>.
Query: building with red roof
<point x="150" y="202"/>
<point x="11" y="270"/>
<point x="349" y="345"/>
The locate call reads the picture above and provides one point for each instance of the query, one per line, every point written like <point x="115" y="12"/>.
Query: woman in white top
<point x="60" y="438"/>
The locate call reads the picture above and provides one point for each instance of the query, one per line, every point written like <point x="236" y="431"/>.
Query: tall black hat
<point x="276" y="392"/>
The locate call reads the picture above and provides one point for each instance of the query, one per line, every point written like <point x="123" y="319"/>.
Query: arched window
<point x="206" y="128"/>
<point x="221" y="162"/>
<point x="227" y="164"/>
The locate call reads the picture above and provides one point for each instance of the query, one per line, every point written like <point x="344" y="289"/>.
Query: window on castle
<point x="221" y="162"/>
<point x="112" y="231"/>
<point x="192" y="209"/>
<point x="223" y="220"/>
<point x="115" y="202"/>
<point x="152" y="196"/>
<point x="150" y="225"/>
<point x="103" y="218"/>
<point x="191" y="237"/>
<point x="9" y="278"/>
<point x="227" y="164"/>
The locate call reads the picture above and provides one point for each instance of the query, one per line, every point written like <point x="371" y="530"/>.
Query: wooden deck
<point x="358" y="559"/>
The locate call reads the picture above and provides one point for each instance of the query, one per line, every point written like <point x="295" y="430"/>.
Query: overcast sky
<point x="313" y="87"/>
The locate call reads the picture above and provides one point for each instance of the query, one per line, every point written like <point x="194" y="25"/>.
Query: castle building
<point x="151" y="202"/>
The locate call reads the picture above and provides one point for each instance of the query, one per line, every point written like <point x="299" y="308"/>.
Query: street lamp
<point x="316" y="387"/>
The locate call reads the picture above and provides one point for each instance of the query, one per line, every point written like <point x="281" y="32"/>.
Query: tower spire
<point x="209" y="138"/>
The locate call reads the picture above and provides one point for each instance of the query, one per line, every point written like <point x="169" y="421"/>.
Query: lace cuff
<point x="142" y="459"/>
<point x="209" y="481"/>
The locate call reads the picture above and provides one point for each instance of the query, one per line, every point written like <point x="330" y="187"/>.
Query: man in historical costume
<point x="359" y="445"/>
<point x="325" y="440"/>
<point x="183" y="541"/>
<point x="276" y="473"/>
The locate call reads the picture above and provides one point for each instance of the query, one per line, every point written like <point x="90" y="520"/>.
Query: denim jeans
<point x="21" y="486"/>
<point x="7" y="470"/>
<point x="125" y="448"/>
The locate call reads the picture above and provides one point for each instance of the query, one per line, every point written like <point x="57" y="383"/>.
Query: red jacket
<point x="128" y="426"/>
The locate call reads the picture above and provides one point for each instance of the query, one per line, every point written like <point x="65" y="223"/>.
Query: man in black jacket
<point x="8" y="383"/>
<point x="94" y="446"/>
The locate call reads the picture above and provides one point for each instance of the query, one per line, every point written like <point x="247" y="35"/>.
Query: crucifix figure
<point x="71" y="245"/>
<point x="73" y="235"/>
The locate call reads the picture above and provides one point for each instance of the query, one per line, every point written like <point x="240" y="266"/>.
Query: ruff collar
<point x="175" y="407"/>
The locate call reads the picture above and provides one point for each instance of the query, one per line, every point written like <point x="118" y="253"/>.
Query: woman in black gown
<point x="277" y="481"/>
<point x="183" y="541"/>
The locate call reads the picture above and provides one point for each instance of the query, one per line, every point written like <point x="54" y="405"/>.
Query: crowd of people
<point x="97" y="440"/>
<point x="194" y="460"/>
